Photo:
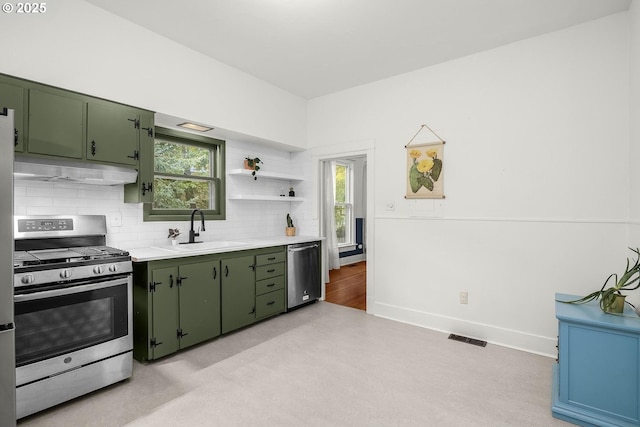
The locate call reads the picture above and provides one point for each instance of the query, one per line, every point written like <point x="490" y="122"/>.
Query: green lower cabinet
<point x="181" y="302"/>
<point x="269" y="304"/>
<point x="176" y="305"/>
<point x="199" y="302"/>
<point x="164" y="314"/>
<point x="238" y="292"/>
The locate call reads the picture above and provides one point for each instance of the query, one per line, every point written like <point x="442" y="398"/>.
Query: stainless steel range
<point x="73" y="310"/>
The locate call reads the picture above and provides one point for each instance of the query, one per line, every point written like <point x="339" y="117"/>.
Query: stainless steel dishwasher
<point x="303" y="274"/>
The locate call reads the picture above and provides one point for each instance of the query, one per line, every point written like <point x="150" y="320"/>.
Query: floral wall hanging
<point x="425" y="165"/>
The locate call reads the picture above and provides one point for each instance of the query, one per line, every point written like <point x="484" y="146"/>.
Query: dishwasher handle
<point x="304" y="248"/>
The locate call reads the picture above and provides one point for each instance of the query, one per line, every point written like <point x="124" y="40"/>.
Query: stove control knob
<point x="65" y="274"/>
<point x="98" y="269"/>
<point x="28" y="279"/>
<point x="113" y="268"/>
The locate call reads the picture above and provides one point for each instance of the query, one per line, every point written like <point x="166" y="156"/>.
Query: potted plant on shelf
<point x="611" y="299"/>
<point x="173" y="235"/>
<point x="252" y="163"/>
<point x="290" y="230"/>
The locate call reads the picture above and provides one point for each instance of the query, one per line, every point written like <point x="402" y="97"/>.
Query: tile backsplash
<point x="245" y="219"/>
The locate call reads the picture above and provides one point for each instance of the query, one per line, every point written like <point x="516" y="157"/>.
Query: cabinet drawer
<point x="271" y="270"/>
<point x="270" y="258"/>
<point x="269" y="304"/>
<point x="269" y="285"/>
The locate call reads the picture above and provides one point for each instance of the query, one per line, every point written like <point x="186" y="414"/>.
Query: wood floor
<point x="348" y="286"/>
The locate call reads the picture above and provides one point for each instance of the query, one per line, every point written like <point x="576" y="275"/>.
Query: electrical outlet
<point x="464" y="297"/>
<point x="115" y="219"/>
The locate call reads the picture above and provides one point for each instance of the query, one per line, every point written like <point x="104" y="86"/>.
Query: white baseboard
<point x="518" y="340"/>
<point x="352" y="259"/>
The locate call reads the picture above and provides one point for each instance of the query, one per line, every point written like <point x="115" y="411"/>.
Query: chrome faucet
<point x="192" y="233"/>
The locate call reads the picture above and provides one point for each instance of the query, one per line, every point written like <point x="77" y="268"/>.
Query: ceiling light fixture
<point x="193" y="126"/>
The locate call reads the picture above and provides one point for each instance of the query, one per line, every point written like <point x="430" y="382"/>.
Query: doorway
<point x="348" y="286"/>
<point x="344" y="213"/>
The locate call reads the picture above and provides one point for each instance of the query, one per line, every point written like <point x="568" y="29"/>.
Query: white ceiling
<point x="315" y="47"/>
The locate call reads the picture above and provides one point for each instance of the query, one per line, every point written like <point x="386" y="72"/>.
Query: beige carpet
<point x="324" y="365"/>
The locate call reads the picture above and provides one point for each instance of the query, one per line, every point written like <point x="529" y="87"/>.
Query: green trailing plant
<point x="289" y="221"/>
<point x="628" y="281"/>
<point x="254" y="163"/>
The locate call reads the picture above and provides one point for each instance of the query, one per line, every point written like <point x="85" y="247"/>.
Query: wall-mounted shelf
<point x="265" y="174"/>
<point x="266" y="198"/>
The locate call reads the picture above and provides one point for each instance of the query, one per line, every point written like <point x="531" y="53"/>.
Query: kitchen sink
<point x="204" y="246"/>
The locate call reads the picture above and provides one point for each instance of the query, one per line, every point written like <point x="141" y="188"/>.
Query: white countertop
<point x="154" y="253"/>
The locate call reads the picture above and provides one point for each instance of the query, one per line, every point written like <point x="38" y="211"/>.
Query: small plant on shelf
<point x="291" y="229"/>
<point x="253" y="163"/>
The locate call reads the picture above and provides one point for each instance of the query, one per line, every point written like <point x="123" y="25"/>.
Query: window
<point x="188" y="174"/>
<point x="344" y="203"/>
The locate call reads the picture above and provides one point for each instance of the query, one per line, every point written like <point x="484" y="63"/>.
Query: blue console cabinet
<point x="596" y="381"/>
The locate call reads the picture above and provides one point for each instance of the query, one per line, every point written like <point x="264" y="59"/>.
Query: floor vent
<point x="467" y="340"/>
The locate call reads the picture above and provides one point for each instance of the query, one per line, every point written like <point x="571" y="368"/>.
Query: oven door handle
<point x="70" y="290"/>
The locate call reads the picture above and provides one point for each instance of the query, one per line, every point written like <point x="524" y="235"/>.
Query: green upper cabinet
<point x="56" y="123"/>
<point x="53" y="122"/>
<point x="112" y="133"/>
<point x="13" y="97"/>
<point x="141" y="191"/>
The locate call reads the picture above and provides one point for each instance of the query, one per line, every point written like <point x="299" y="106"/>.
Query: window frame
<point x="218" y="176"/>
<point x="350" y="233"/>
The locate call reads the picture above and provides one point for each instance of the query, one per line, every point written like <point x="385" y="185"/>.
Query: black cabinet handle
<point x="271" y="285"/>
<point x="271" y="258"/>
<point x="253" y="310"/>
<point x="180" y="279"/>
<point x="136" y="123"/>
<point x="271" y="271"/>
<point x="15" y="136"/>
<point x="93" y="148"/>
<point x="135" y="155"/>
<point x="147" y="187"/>
<point x="171" y="280"/>
<point x="271" y="302"/>
<point x="215" y="272"/>
<point x="226" y="271"/>
<point x="181" y="334"/>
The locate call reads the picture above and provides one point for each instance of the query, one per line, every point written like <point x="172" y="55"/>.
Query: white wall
<point x="78" y="46"/>
<point x="537" y="181"/>
<point x="634" y="158"/>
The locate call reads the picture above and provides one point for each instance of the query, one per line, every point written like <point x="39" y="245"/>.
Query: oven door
<point x="62" y="329"/>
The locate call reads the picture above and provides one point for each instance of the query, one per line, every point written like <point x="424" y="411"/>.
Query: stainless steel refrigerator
<point x="7" y="334"/>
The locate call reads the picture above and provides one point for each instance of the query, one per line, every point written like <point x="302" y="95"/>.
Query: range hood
<point x="58" y="170"/>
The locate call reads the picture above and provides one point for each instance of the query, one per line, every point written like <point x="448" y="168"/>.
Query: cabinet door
<point x="12" y="97"/>
<point x="141" y="191"/>
<point x="165" y="311"/>
<point x="112" y="133"/>
<point x="238" y="293"/>
<point x="199" y="302"/>
<point x="56" y="124"/>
